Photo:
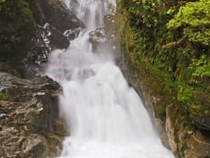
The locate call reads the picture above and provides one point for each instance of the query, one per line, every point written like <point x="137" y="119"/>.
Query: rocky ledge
<point x="29" y="117"/>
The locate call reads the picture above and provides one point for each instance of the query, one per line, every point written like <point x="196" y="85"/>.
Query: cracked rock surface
<point x="29" y="118"/>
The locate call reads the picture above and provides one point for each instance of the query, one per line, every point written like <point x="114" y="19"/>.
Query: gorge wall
<point x="30" y="125"/>
<point x="166" y="57"/>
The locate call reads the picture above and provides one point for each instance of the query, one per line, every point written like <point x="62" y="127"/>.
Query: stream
<point x="105" y="116"/>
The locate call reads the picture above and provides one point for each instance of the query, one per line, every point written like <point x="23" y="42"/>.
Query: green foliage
<point x="178" y="76"/>
<point x="185" y="92"/>
<point x="170" y="11"/>
<point x="194" y="19"/>
<point x="17" y="29"/>
<point x="200" y="68"/>
<point x="143" y="12"/>
<point x="2" y="1"/>
<point x="148" y="32"/>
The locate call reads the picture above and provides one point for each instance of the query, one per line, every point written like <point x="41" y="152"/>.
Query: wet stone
<point x="29" y="117"/>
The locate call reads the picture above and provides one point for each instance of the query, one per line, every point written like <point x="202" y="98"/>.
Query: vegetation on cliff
<point x="16" y="28"/>
<point x="168" y="45"/>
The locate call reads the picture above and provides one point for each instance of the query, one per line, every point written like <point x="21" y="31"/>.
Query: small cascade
<point x="91" y="12"/>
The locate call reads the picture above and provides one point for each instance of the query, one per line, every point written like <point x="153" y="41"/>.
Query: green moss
<point x="161" y="87"/>
<point x="185" y="92"/>
<point x="201" y="103"/>
<point x="17" y="29"/>
<point x="208" y="89"/>
<point x="3" y="96"/>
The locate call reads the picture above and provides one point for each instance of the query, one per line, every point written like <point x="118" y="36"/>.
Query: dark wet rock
<point x="58" y="15"/>
<point x="202" y="122"/>
<point x="29" y="117"/>
<point x="26" y="40"/>
<point x="53" y="20"/>
<point x="58" y="40"/>
<point x="4" y="67"/>
<point x="28" y="69"/>
<point x="72" y="33"/>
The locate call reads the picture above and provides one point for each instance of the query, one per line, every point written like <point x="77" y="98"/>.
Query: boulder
<point x="98" y="36"/>
<point x="29" y="117"/>
<point x="98" y="39"/>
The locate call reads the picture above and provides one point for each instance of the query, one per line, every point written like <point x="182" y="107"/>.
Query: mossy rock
<point x="16" y="29"/>
<point x="199" y="109"/>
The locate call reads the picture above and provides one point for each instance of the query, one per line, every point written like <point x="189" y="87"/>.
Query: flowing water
<point x="105" y="116"/>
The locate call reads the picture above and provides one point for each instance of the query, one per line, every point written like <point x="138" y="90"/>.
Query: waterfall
<point x="106" y="117"/>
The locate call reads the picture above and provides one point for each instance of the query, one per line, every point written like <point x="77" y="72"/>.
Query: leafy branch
<point x="174" y="43"/>
<point x="194" y="19"/>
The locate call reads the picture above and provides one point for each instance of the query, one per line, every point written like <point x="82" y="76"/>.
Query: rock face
<point x="29" y="117"/>
<point x="178" y="131"/>
<point x="30" y="125"/>
<point x="185" y="142"/>
<point x="26" y="40"/>
<point x="170" y="72"/>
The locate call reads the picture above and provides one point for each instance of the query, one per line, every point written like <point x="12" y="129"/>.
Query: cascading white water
<point x="105" y="116"/>
<point x="91" y="12"/>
